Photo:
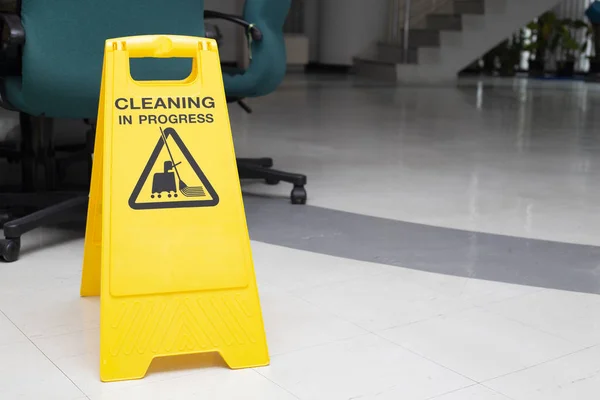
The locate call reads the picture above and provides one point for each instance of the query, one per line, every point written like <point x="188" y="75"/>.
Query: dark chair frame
<point x="260" y="168"/>
<point x="35" y="205"/>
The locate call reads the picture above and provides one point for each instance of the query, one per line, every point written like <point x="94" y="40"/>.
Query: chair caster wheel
<point x="10" y="249"/>
<point x="298" y="195"/>
<point x="271" y="181"/>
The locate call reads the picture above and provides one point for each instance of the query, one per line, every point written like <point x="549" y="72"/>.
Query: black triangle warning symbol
<point x="168" y="169"/>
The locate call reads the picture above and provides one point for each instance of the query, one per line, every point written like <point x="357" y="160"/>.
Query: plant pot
<point x="596" y="38"/>
<point x="594" y="66"/>
<point x="565" y="69"/>
<point x="536" y="68"/>
<point x="506" y="71"/>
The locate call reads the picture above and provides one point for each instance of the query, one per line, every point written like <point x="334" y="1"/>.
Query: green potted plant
<point x="509" y="54"/>
<point x="541" y="31"/>
<point x="504" y="58"/>
<point x="489" y="61"/>
<point x="565" y="46"/>
<point x="595" y="60"/>
<point x="505" y="66"/>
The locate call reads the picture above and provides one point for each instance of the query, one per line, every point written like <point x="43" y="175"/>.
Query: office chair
<point x="263" y="21"/>
<point x="53" y="55"/>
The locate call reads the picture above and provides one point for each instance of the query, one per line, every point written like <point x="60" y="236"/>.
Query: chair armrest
<point x="12" y="31"/>
<point x="251" y="29"/>
<point x="212" y="31"/>
<point x="12" y="38"/>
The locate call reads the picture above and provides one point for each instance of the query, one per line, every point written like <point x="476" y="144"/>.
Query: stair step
<point x="375" y="69"/>
<point x="394" y="53"/>
<point x="421" y="38"/>
<point x="469" y="7"/>
<point x="444" y="22"/>
<point x="451" y="37"/>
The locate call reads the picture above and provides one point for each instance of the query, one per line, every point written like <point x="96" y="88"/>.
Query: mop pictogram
<point x="165" y="181"/>
<point x="167" y="188"/>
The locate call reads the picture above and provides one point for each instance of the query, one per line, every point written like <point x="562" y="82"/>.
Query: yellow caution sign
<point x="167" y="246"/>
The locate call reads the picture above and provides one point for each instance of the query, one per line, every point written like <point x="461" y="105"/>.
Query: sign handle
<point x="160" y="46"/>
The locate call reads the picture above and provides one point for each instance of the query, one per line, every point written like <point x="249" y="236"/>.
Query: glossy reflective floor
<point x="449" y="251"/>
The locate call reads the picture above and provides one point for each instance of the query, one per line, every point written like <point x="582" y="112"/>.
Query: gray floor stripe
<point x="448" y="251"/>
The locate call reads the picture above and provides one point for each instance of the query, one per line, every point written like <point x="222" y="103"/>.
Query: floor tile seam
<point x="499" y="391"/>
<point x="419" y="321"/>
<point x="428" y="359"/>
<point x="486" y="381"/>
<point x="181" y="373"/>
<point x="46" y="356"/>
<point x="256" y="370"/>
<point x="468" y="387"/>
<point x="535" y="290"/>
<point x="38" y="336"/>
<point x="437" y="396"/>
<point x="293" y="292"/>
<point x="323" y="344"/>
<point x="22" y="337"/>
<point x="336" y="282"/>
<point x="470" y="307"/>
<point x="538" y="329"/>
<point x="467" y="303"/>
<point x="328" y="312"/>
<point x="58" y="335"/>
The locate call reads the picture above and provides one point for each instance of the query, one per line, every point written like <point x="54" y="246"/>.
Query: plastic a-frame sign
<point x="167" y="246"/>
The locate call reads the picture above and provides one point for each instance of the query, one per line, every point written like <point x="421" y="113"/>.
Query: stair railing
<point x="405" y="15"/>
<point x="406" y="30"/>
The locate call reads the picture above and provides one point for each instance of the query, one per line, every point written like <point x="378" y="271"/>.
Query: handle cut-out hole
<point x="160" y="69"/>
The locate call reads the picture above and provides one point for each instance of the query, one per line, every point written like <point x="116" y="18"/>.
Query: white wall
<point x="312" y="27"/>
<point x="349" y="27"/>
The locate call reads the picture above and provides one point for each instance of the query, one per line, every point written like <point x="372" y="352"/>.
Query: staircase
<point x="444" y="37"/>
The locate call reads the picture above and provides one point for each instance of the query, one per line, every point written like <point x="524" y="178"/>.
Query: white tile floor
<point x="378" y="332"/>
<point x="345" y="329"/>
<point x="507" y="157"/>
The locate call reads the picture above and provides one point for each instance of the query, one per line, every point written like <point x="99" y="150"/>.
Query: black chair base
<point x="57" y="207"/>
<point x="37" y="203"/>
<point x="66" y="207"/>
<point x="261" y="168"/>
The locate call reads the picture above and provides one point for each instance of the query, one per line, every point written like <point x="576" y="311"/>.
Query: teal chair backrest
<point x="268" y="65"/>
<point x="63" y="53"/>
